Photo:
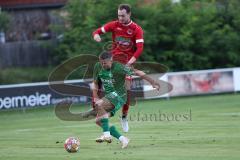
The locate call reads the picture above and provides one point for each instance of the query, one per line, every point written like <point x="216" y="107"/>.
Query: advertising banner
<point x="201" y="83"/>
<point x="40" y="94"/>
<point x="172" y="84"/>
<point x="18" y="96"/>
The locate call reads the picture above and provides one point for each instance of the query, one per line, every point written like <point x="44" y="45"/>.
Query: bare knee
<point x="98" y="107"/>
<point x="98" y="104"/>
<point x="98" y="122"/>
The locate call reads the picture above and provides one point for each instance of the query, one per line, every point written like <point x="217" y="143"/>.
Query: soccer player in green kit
<point x="112" y="75"/>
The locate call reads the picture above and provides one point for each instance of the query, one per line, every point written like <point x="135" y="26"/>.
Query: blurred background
<point x="194" y="45"/>
<point x="184" y="35"/>
<point x="196" y="42"/>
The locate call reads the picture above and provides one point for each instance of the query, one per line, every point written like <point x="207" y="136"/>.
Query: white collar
<point x="128" y="23"/>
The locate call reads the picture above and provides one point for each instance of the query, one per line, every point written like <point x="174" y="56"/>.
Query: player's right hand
<point x="97" y="38"/>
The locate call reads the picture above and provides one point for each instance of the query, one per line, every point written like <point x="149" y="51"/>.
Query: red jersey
<point x="127" y="40"/>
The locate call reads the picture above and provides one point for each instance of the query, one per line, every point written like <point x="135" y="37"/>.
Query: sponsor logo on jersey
<point x="107" y="80"/>
<point x="123" y="41"/>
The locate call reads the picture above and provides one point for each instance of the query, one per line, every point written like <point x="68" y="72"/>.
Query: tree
<point x="189" y="35"/>
<point x="4" y="21"/>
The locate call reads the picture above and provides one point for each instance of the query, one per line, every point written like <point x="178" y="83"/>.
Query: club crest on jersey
<point x="129" y="31"/>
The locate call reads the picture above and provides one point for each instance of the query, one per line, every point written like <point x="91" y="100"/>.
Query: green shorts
<point x="116" y="100"/>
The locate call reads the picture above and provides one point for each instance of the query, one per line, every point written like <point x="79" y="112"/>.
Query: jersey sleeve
<point x="139" y="35"/>
<point x="139" y="50"/>
<point x="96" y="70"/>
<point x="139" y="42"/>
<point x="108" y="27"/>
<point x="125" y="70"/>
<point x="128" y="71"/>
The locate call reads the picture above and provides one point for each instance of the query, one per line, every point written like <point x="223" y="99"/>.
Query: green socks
<point x="112" y="129"/>
<point x="105" y="125"/>
<point x="114" y="132"/>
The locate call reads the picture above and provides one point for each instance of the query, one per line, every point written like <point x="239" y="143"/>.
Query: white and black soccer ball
<point x="72" y="144"/>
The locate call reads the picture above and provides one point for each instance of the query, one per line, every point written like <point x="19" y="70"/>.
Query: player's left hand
<point x="131" y="61"/>
<point x="97" y="38"/>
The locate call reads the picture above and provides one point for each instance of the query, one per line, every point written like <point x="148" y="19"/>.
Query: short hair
<point x="127" y="7"/>
<point x="105" y="55"/>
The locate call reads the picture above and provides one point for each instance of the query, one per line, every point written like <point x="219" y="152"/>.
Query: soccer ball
<point x="72" y="144"/>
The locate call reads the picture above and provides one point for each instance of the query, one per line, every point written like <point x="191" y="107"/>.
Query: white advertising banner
<point x="172" y="84"/>
<point x="192" y="83"/>
<point x="236" y="75"/>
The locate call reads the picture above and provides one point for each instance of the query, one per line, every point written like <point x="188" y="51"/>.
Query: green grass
<point x="212" y="133"/>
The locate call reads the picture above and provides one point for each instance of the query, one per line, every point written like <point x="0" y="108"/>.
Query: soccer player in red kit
<point x="127" y="46"/>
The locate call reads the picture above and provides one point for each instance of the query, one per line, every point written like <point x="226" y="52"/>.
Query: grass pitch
<point x="196" y="128"/>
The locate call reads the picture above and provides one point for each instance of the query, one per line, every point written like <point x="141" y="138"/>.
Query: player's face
<point x="123" y="16"/>
<point x="106" y="64"/>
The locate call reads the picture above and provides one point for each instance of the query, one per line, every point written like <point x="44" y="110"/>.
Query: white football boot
<point x="104" y="138"/>
<point x="124" y="141"/>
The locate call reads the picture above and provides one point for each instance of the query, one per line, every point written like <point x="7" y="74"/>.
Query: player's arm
<point x="104" y="29"/>
<point x="143" y="75"/>
<point x="95" y="91"/>
<point x="130" y="71"/>
<point x="95" y="87"/>
<point x="139" y="46"/>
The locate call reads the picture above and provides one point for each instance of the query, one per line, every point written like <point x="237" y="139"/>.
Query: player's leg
<point x="118" y="102"/>
<point x="124" y="140"/>
<point x="102" y="119"/>
<point x="115" y="103"/>
<point x="115" y="133"/>
<point x="125" y="108"/>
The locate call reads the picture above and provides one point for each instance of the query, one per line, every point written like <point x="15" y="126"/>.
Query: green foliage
<point x="84" y="17"/>
<point x="4" y="21"/>
<point x="35" y="74"/>
<point x="189" y="35"/>
<point x="24" y="75"/>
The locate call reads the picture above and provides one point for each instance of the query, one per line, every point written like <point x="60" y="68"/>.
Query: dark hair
<point x="105" y="55"/>
<point x="127" y="7"/>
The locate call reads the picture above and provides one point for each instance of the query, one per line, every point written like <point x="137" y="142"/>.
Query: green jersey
<point x="113" y="80"/>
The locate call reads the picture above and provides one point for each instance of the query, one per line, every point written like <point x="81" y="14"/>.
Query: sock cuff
<point x="124" y="116"/>
<point x="107" y="133"/>
<point x="121" y="138"/>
